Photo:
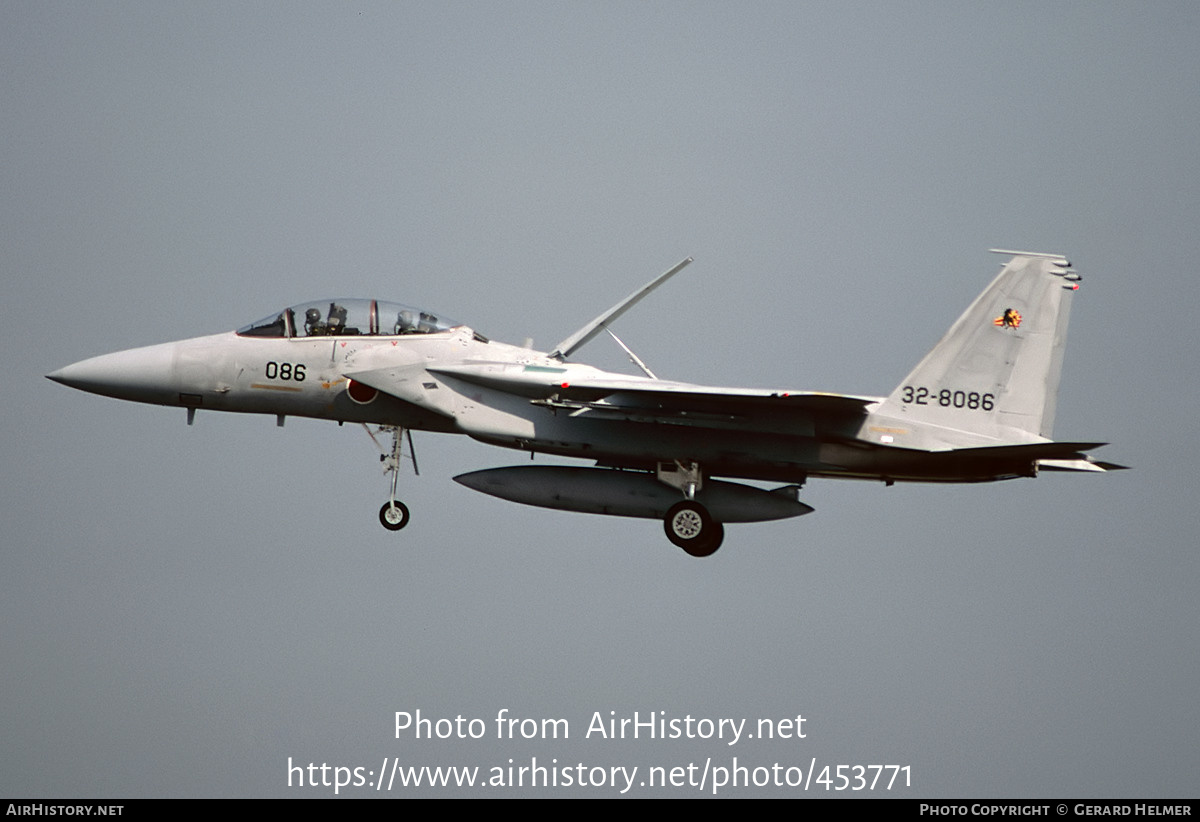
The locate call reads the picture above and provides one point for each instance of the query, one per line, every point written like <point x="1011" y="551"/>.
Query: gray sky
<point x="183" y="609"/>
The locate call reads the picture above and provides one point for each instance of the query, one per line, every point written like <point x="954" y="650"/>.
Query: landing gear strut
<point x="394" y="513"/>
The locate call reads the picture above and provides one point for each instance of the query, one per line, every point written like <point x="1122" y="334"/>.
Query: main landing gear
<point x="394" y="513"/>
<point x="688" y="523"/>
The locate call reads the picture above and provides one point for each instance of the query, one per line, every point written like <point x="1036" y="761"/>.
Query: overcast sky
<point x="183" y="610"/>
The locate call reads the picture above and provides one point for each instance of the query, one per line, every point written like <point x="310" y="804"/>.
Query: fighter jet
<point x="979" y="407"/>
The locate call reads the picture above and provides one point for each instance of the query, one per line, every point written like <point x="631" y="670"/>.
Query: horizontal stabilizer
<point x="1035" y="451"/>
<point x="1062" y="456"/>
<point x="1079" y="465"/>
<point x="958" y="464"/>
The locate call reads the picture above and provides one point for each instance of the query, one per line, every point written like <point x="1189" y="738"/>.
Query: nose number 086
<point x="284" y="371"/>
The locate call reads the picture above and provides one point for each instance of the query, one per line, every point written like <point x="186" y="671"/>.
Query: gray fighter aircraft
<point x="979" y="407"/>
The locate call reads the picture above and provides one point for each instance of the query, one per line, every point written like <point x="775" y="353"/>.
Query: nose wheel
<point x="393" y="515"/>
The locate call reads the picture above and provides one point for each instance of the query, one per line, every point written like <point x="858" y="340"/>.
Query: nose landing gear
<point x="394" y="513"/>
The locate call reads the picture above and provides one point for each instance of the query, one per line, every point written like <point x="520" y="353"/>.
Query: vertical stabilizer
<point x="995" y="373"/>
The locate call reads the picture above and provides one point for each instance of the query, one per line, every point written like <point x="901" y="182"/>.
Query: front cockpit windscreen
<point x="348" y="318"/>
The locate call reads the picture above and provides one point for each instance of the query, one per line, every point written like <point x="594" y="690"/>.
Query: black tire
<point x="391" y="522"/>
<point x="716" y="538"/>
<point x="689" y="525"/>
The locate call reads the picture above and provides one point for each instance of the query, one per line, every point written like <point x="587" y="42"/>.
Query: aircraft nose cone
<point x="141" y="374"/>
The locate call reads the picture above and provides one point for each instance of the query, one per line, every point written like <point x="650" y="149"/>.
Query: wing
<point x="593" y="392"/>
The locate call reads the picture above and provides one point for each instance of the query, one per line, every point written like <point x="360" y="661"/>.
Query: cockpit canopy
<point x="348" y="318"/>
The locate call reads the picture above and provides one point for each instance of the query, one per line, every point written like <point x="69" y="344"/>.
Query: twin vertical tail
<point x="994" y="375"/>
